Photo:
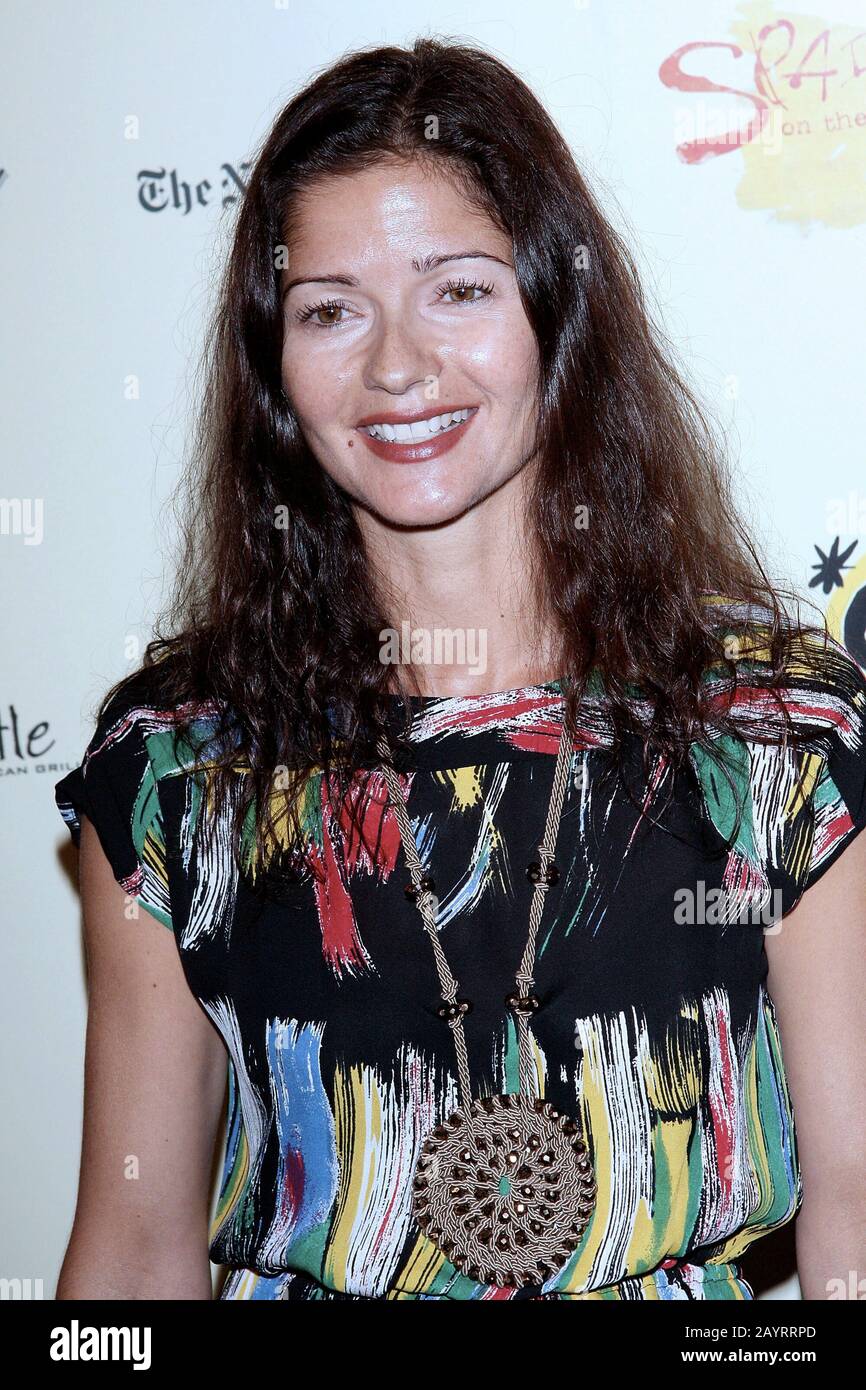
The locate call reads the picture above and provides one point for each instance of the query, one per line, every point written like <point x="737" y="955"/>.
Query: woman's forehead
<point x="393" y="206"/>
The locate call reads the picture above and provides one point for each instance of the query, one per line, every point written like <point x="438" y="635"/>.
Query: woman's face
<point x="401" y="307"/>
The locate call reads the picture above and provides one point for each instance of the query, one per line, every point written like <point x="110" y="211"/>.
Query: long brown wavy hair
<point x="279" y="626"/>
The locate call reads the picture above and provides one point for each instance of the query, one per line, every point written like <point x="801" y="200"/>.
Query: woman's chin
<point x="420" y="501"/>
<point x="419" y="512"/>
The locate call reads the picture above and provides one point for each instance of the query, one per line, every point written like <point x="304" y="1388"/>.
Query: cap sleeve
<point x="116" y="787"/>
<point x="839" y="797"/>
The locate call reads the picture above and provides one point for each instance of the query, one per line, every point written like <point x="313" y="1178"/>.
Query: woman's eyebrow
<point x="423" y="266"/>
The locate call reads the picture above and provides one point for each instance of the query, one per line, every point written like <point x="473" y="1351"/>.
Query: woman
<point x="479" y="767"/>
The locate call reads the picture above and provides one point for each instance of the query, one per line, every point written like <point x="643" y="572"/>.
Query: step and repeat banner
<point x="726" y="141"/>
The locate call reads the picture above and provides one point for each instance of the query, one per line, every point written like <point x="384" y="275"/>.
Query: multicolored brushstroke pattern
<point x="656" y="1031"/>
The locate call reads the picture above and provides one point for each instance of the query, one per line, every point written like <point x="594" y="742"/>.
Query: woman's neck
<point x="461" y="607"/>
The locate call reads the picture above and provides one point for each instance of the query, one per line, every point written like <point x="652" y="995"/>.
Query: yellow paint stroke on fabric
<point x="245" y="1284"/>
<point x="641" y="1234"/>
<point x="671" y="1138"/>
<point x="422" y="1267"/>
<point x="539" y="1061"/>
<point x="467" y="787"/>
<point x="750" y="643"/>
<point x="465" y="784"/>
<point x="642" y="1237"/>
<point x="357" y="1133"/>
<point x="763" y="1164"/>
<point x="595" y="1121"/>
<point x="804" y="786"/>
<point x="229" y="1199"/>
<point x="808" y="164"/>
<point x="759" y="1159"/>
<point x="803" y="661"/>
<point x="671" y="1083"/>
<point x="676" y="1083"/>
<point x="798" y="854"/>
<point x="153" y="855"/>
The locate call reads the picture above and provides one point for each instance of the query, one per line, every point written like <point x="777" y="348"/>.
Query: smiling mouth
<point x="419" y="431"/>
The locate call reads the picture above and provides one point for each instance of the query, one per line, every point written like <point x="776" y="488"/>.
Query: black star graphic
<point x="830" y="567"/>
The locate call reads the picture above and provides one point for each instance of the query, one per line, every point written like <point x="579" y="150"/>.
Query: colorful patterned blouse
<point x="655" y="1028"/>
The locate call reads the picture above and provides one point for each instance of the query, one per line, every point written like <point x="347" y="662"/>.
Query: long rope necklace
<point x="504" y="1186"/>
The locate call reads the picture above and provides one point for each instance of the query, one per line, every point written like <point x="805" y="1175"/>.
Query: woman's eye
<point x="327" y="307"/>
<point x="464" y="290"/>
<point x="330" y="313"/>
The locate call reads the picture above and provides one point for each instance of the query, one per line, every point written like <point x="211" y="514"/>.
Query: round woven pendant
<point x="508" y="1200"/>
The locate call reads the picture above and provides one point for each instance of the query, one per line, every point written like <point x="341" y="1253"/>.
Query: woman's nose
<point x="400" y="355"/>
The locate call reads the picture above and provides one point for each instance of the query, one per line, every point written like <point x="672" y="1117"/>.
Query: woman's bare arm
<point x="154" y="1088"/>
<point x="817" y="979"/>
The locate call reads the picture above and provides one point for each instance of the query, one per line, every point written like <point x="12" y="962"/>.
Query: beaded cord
<point x="541" y="874"/>
<point x="504" y="1185"/>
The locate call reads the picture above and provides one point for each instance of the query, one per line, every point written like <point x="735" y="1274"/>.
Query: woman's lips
<point x="420" y="450"/>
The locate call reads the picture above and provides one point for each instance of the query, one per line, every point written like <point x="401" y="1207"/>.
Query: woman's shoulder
<point x="821" y="683"/>
<point x="823" y="693"/>
<point x="140" y="736"/>
<point x="141" y="739"/>
<point x="140" y="718"/>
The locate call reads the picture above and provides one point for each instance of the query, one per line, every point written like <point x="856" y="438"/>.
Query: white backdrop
<point x="114" y="115"/>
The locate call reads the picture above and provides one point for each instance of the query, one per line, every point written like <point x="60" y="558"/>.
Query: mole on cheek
<point x="351" y="443"/>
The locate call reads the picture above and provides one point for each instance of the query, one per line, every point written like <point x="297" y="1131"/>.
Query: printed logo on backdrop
<point x="165" y="190"/>
<point x="846" y="585"/>
<point x="786" y="93"/>
<point x="25" y="743"/>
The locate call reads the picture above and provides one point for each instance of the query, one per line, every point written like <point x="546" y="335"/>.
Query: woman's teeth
<point x="418" y="430"/>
